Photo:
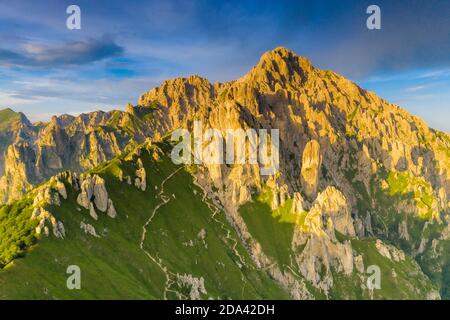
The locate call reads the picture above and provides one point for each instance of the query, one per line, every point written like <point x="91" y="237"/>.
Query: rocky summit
<point x="359" y="208"/>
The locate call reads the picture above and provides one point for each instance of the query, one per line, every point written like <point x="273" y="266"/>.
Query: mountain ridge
<point x="360" y="179"/>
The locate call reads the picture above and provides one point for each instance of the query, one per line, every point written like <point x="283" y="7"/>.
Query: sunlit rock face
<point x="342" y="151"/>
<point x="323" y="118"/>
<point x="34" y="152"/>
<point x="311" y="162"/>
<point x="352" y="165"/>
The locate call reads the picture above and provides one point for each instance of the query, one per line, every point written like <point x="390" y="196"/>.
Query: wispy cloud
<point x="416" y="88"/>
<point x="66" y="54"/>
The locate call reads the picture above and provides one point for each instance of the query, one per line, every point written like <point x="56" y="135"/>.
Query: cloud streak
<point x="68" y="54"/>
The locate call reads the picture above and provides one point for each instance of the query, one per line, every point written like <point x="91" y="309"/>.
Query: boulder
<point x="92" y="212"/>
<point x="111" y="210"/>
<point x="297" y="203"/>
<point x="389" y="251"/>
<point x="141" y="176"/>
<point x="84" y="198"/>
<point x="58" y="230"/>
<point x="88" y="229"/>
<point x="61" y="188"/>
<point x="100" y="193"/>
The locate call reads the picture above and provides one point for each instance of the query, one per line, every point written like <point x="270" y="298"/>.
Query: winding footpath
<point x="164" y="200"/>
<point x="215" y="209"/>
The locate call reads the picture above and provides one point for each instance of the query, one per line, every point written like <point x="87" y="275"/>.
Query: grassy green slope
<point x="272" y="229"/>
<point x="183" y="238"/>
<point x="16" y="230"/>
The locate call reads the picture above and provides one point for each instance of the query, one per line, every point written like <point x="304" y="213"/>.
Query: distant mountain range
<point x="362" y="186"/>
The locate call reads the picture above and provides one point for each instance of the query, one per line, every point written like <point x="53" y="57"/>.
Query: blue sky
<point x="125" y="48"/>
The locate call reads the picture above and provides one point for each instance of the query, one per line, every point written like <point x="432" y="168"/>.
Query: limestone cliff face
<point x="329" y="213"/>
<point x="33" y="153"/>
<point x="311" y="162"/>
<point x="352" y="164"/>
<point x="331" y="130"/>
<point x="324" y="120"/>
<point x="341" y="147"/>
<point x="14" y="182"/>
<point x="181" y="99"/>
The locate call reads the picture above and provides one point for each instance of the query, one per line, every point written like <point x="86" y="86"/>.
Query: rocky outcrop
<point x="111" y="211"/>
<point x="44" y="216"/>
<point x="140" y="181"/>
<point x="100" y="193"/>
<point x="321" y="250"/>
<point x="46" y="195"/>
<point x="34" y="153"/>
<point x="297" y="203"/>
<point x="58" y="230"/>
<point x="330" y="211"/>
<point x="93" y="195"/>
<point x="310" y="172"/>
<point x="93" y="191"/>
<point x="61" y="189"/>
<point x="88" y="229"/>
<point x="324" y="254"/>
<point x="86" y="189"/>
<point x="195" y="285"/>
<point x="92" y="212"/>
<point x="389" y="251"/>
<point x="403" y="230"/>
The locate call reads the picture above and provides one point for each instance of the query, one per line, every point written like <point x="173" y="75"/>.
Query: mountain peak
<point x="280" y="64"/>
<point x="8" y="117"/>
<point x="284" y="54"/>
<point x="280" y="52"/>
<point x="192" y="90"/>
<point x="7" y="113"/>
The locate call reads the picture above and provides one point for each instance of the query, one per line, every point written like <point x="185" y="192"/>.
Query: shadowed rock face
<point x="353" y="164"/>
